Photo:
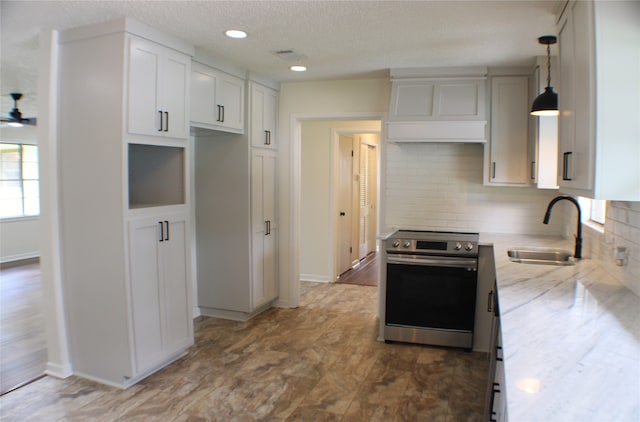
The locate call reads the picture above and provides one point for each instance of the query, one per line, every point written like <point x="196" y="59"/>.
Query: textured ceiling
<point x="341" y="39"/>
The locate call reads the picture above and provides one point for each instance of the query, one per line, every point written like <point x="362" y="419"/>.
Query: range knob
<point x="458" y="246"/>
<point x="468" y="246"/>
<point x="406" y="244"/>
<point x="395" y="243"/>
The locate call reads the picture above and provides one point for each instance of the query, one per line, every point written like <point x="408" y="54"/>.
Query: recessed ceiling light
<point x="235" y="33"/>
<point x="298" y="68"/>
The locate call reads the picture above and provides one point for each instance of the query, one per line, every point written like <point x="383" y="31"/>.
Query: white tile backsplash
<point x="439" y="187"/>
<point x="621" y="230"/>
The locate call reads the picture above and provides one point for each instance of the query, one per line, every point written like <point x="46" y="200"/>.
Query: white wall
<point x="299" y="101"/>
<point x="20" y="237"/>
<point x="315" y="194"/>
<point x="439" y="187"/>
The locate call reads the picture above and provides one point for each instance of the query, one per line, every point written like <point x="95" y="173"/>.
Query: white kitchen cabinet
<point x="264" y="226"/>
<point x="543" y="131"/>
<point x="599" y="152"/>
<point x="264" y="114"/>
<point x="236" y="221"/>
<point x="507" y="162"/>
<point x="127" y="295"/>
<point x="158" y="90"/>
<point x="217" y="99"/>
<point x="161" y="316"/>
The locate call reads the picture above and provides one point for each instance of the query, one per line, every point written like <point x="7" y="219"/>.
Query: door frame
<point x="293" y="269"/>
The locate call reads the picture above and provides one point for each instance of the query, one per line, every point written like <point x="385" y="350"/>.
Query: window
<point x="19" y="181"/>
<point x="593" y="210"/>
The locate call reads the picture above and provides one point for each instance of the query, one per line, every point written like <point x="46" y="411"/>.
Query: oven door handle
<point x="433" y="262"/>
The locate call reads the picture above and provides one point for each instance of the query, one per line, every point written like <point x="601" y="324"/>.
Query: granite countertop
<point x="571" y="338"/>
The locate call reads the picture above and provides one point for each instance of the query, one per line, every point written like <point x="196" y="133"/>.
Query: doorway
<point x="333" y="195"/>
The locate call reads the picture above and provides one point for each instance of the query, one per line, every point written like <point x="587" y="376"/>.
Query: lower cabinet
<point x="161" y="315"/>
<point x="496" y="397"/>
<point x="264" y="226"/>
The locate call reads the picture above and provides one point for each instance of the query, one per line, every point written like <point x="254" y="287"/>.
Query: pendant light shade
<point x="546" y="104"/>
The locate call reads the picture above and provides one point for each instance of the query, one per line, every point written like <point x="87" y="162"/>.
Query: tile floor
<point x="319" y="362"/>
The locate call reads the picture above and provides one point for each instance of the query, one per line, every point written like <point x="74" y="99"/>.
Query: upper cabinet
<point x="599" y="151"/>
<point x="264" y="113"/>
<point x="158" y="90"/>
<point x="217" y="99"/>
<point x="507" y="149"/>
<point x="437" y="105"/>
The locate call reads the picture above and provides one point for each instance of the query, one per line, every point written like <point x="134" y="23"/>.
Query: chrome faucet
<point x="547" y="216"/>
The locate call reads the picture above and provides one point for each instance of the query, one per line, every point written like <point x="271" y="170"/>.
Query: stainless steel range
<point x="431" y="287"/>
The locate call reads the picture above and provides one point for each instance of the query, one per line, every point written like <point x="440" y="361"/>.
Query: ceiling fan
<point x="15" y="118"/>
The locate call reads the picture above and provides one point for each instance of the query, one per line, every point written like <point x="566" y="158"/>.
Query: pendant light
<point x="546" y="104"/>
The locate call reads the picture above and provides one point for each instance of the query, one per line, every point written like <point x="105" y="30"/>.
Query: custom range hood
<point x="438" y="105"/>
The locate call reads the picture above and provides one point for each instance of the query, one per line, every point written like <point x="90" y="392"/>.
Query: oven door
<point x="431" y="292"/>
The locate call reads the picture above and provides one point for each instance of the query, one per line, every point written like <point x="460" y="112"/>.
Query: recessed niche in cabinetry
<point x="156" y="175"/>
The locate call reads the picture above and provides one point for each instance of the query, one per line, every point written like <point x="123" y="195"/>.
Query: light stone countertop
<point x="570" y="332"/>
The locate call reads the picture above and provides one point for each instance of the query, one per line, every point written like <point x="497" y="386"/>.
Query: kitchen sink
<point x="541" y="256"/>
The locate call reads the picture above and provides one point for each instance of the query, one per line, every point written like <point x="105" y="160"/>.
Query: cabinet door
<point x="159" y="289"/>
<point x="203" y="95"/>
<point x="509" y="131"/>
<point x="144" y="110"/>
<point x="175" y="287"/>
<point x="230" y="96"/>
<point x="176" y="94"/>
<point x="264" y="112"/>
<point x="575" y="153"/>
<point x="264" y="226"/>
<point x="144" y="243"/>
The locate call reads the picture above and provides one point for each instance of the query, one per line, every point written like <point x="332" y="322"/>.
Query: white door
<point x="144" y="87"/>
<point x="344" y="202"/>
<point x="264" y="226"/>
<point x="144" y="237"/>
<point x="176" y="94"/>
<point x="264" y="106"/>
<point x="229" y="96"/>
<point x="367" y="199"/>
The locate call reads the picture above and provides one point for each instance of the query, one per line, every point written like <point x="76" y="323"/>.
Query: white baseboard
<point x="315" y="278"/>
<point x="58" y="371"/>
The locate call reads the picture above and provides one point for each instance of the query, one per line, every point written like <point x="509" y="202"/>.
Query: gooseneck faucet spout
<point x="547" y="216"/>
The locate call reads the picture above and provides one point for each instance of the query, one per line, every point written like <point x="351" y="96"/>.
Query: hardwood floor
<point x="23" y="353"/>
<point x="318" y="362"/>
<point x="366" y="274"/>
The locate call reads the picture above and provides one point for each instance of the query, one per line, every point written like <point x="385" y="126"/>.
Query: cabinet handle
<point x="267" y="137"/>
<point x="222" y="107"/>
<point x="267" y="228"/>
<point x="565" y="165"/>
<point x="166" y="121"/>
<point x="495" y="391"/>
<point x="490" y="302"/>
<point x="219" y="113"/>
<point x="166" y="231"/>
<point x="533" y="170"/>
<point x="499" y="349"/>
<point x="160" y="111"/>
<point x="161" y="231"/>
<point x="493" y="173"/>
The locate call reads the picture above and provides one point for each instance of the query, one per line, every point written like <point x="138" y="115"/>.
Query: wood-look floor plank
<point x="23" y="353"/>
